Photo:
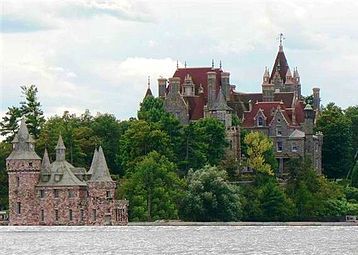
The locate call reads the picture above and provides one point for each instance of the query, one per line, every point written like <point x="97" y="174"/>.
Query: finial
<point x="220" y="64"/>
<point x="281" y="38"/>
<point x="212" y="63"/>
<point x="148" y="82"/>
<point x="185" y="64"/>
<point x="177" y="64"/>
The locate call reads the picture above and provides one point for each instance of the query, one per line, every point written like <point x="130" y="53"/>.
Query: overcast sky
<point x="97" y="55"/>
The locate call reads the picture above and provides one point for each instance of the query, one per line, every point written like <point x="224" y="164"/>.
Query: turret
<point x="309" y="119"/>
<point x="267" y="87"/>
<point x="23" y="166"/>
<point x="60" y="150"/>
<point x="266" y="77"/>
<point x="148" y="93"/>
<point x="162" y="85"/>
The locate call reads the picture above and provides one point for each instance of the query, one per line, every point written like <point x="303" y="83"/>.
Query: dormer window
<point x="260" y="121"/>
<point x="278" y="132"/>
<point x="294" y="147"/>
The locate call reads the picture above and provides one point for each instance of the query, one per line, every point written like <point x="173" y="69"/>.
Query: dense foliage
<point x="170" y="171"/>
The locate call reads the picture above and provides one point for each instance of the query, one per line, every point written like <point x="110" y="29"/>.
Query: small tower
<point x="101" y="185"/>
<point x="297" y="81"/>
<point x="267" y="87"/>
<point x="225" y="84"/>
<point x="308" y="129"/>
<point x="60" y="150"/>
<point x="23" y="166"/>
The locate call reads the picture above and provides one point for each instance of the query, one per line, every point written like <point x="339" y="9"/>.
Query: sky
<point x="97" y="54"/>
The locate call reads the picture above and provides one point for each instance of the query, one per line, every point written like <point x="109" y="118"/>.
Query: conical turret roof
<point x="46" y="164"/>
<point x="60" y="144"/>
<point x="94" y="162"/>
<point x="100" y="170"/>
<point x="220" y="102"/>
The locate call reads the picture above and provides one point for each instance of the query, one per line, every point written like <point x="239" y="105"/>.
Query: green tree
<point x="209" y="197"/>
<point x="140" y="139"/>
<point x="9" y="123"/>
<point x="153" y="189"/>
<point x="31" y="109"/>
<point x="5" y="150"/>
<point x="337" y="157"/>
<point x="259" y="145"/>
<point x="352" y="114"/>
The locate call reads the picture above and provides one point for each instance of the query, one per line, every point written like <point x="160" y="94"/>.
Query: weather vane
<point x="280" y="38"/>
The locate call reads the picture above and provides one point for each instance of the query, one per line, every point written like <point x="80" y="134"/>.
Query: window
<point x="108" y="194"/>
<point x="70" y="215"/>
<point x="56" y="193"/>
<point x="70" y="194"/>
<point x="17" y="181"/>
<point x="94" y="216"/>
<point x="42" y="193"/>
<point x="56" y="215"/>
<point x="18" y="208"/>
<point x="279" y="146"/>
<point x="42" y="215"/>
<point x="81" y="215"/>
<point x="278" y="132"/>
<point x="294" y="147"/>
<point x="260" y="121"/>
<point x="30" y="164"/>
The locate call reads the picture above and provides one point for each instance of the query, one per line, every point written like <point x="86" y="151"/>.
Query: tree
<point x="209" y="197"/>
<point x="140" y="139"/>
<point x="5" y="150"/>
<point x="153" y="189"/>
<point x="337" y="157"/>
<point x="352" y="114"/>
<point x="9" y="124"/>
<point x="257" y="146"/>
<point x="31" y="109"/>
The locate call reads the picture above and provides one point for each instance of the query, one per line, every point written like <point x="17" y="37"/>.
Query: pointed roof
<point x="60" y="144"/>
<point x="24" y="144"/>
<point x="280" y="64"/>
<point x="94" y="162"/>
<point x="148" y="93"/>
<point x="101" y="171"/>
<point x="46" y="164"/>
<point x="220" y="102"/>
<point x="308" y="107"/>
<point x="297" y="134"/>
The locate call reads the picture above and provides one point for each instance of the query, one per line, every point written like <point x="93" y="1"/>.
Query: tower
<point x="308" y="129"/>
<point x="23" y="166"/>
<point x="316" y="100"/>
<point x="188" y="86"/>
<point x="225" y="84"/>
<point x="267" y="87"/>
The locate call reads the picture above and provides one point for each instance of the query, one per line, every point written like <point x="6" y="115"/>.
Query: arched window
<point x="260" y="121"/>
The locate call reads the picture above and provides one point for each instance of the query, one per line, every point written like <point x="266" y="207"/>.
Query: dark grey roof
<point x="100" y="170"/>
<point x="46" y="164"/>
<point x="61" y="175"/>
<point x="94" y="162"/>
<point x="60" y="144"/>
<point x="220" y="103"/>
<point x="23" y="144"/>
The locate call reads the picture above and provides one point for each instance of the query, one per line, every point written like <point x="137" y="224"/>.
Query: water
<point x="179" y="240"/>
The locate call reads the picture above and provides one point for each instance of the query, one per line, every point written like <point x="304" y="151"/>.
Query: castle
<point x="279" y="110"/>
<point x="57" y="193"/>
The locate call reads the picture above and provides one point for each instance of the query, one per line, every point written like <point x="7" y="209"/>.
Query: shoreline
<point x="243" y="224"/>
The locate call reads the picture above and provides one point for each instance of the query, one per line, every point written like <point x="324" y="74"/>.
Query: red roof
<point x="282" y="61"/>
<point x="196" y="107"/>
<point x="199" y="76"/>
<point x="286" y="97"/>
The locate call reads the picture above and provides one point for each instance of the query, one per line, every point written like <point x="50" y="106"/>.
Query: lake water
<point x="180" y="240"/>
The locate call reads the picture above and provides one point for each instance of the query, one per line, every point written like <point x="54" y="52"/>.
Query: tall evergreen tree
<point x="9" y="123"/>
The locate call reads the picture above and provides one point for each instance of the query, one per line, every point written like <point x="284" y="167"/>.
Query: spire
<point x="23" y="144"/>
<point x="94" y="162"/>
<point x="212" y="63"/>
<point x="220" y="102"/>
<point x="281" y="38"/>
<point x="185" y="64"/>
<point x="60" y="149"/>
<point x="149" y="91"/>
<point x="177" y="64"/>
<point x="100" y="169"/>
<point x="45" y="165"/>
<point x="220" y="65"/>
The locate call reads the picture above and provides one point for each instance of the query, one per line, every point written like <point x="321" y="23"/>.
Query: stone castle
<point x="278" y="110"/>
<point x="57" y="193"/>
